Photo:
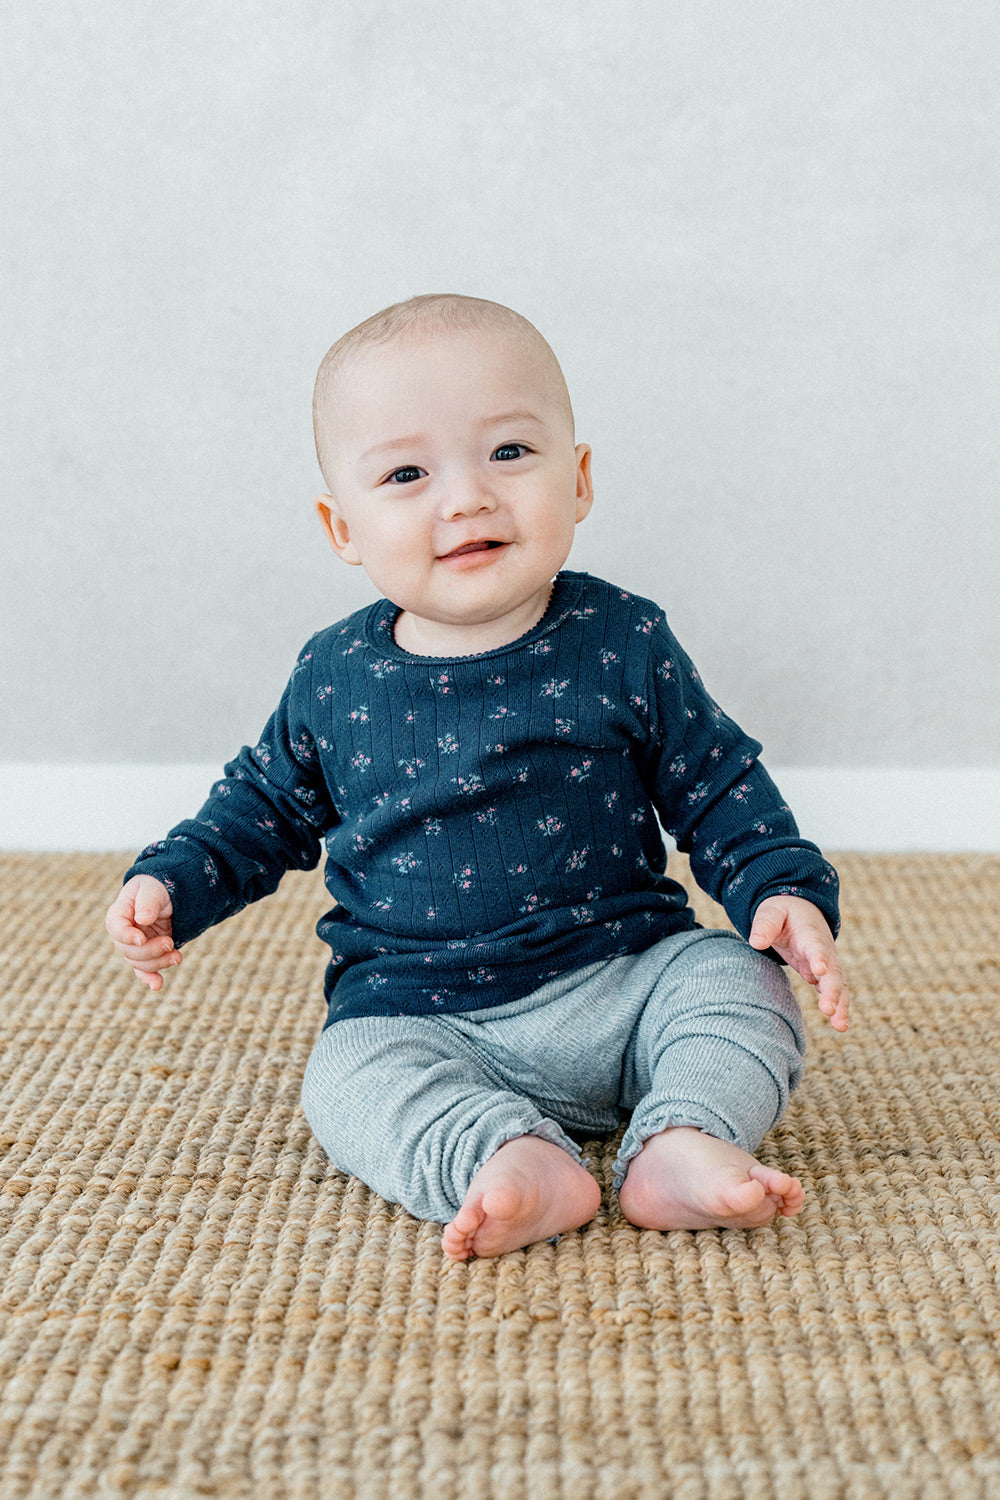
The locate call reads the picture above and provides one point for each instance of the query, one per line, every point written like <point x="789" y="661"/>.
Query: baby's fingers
<point x="150" y="971"/>
<point x="149" y="909"/>
<point x="765" y="931"/>
<point x="141" y="905"/>
<point x="120" y="926"/>
<point x="146" y="949"/>
<point x="151" y="981"/>
<point x="155" y="964"/>
<point x="833" y="997"/>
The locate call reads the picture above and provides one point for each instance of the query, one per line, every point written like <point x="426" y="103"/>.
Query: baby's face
<point x="455" y="483"/>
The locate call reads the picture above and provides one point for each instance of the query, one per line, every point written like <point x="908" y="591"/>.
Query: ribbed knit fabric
<point x="491" y="821"/>
<point x="698" y="1030"/>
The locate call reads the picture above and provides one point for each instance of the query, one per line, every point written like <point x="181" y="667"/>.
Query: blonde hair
<point x="418" y="316"/>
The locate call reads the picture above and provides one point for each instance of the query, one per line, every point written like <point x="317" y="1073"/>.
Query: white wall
<point x="761" y="237"/>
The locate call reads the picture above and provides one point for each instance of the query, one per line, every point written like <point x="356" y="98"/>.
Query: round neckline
<point x="380" y="626"/>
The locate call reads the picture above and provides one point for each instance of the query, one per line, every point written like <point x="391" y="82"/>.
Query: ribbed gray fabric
<point x="698" y="1030"/>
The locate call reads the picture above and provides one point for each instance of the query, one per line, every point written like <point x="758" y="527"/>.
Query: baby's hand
<point x="139" y="925"/>
<point x="799" y="932"/>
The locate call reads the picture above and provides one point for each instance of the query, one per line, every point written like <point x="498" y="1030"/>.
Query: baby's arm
<point x="139" y="924"/>
<point x="800" y="934"/>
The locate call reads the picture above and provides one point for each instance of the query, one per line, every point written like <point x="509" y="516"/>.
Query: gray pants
<point x="698" y="1030"/>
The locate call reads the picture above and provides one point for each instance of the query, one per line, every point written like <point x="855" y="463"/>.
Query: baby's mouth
<point x="485" y="545"/>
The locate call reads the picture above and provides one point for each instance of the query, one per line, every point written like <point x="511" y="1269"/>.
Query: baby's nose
<point x="467" y="497"/>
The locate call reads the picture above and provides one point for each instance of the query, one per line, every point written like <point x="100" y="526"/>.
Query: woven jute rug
<point x="195" y="1303"/>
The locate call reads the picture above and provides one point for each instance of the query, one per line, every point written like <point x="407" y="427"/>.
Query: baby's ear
<point x="584" y="482"/>
<point x="337" y="531"/>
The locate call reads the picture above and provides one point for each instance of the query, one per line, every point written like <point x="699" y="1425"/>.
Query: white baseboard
<point x="93" y="807"/>
<point x="893" y="809"/>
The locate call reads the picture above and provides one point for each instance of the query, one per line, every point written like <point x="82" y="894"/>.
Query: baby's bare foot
<point x="528" y="1190"/>
<point x="684" y="1179"/>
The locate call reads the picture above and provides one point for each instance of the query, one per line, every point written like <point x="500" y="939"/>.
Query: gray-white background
<point x="763" y="238"/>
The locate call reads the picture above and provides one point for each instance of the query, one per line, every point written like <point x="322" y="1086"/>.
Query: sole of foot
<point x="529" y="1190"/>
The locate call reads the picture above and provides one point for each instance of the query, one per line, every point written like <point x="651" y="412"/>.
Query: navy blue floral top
<point x="491" y="821"/>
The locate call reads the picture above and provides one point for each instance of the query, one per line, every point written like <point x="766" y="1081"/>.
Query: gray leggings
<point x="698" y="1030"/>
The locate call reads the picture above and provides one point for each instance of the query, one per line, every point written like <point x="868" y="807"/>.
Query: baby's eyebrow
<point x="394" y="444"/>
<point x="511" y="416"/>
<point x="414" y="439"/>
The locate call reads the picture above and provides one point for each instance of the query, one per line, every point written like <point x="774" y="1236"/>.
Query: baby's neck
<point x="422" y="637"/>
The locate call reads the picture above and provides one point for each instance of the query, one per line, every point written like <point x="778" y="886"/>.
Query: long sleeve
<point x="719" y="803"/>
<point x="491" y="821"/>
<point x="267" y="815"/>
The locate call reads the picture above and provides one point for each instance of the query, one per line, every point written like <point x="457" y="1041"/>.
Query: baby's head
<point x="421" y="321"/>
<point x="445" y="434"/>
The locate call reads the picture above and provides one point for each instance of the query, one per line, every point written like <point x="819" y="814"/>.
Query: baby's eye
<point x="407" y="475"/>
<point x="507" y="451"/>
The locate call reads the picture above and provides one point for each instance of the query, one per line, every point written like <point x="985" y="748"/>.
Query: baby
<point x="488" y="752"/>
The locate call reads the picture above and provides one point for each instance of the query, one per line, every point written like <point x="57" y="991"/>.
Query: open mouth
<point x="485" y="545"/>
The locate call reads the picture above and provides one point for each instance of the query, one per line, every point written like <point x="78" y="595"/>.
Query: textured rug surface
<point x="193" y="1302"/>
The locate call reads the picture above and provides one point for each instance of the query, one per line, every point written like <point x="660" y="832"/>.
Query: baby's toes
<point x="787" y="1191"/>
<point x="455" y="1245"/>
<point x="793" y="1200"/>
<point x="738" y="1199"/>
<point x="458" y="1237"/>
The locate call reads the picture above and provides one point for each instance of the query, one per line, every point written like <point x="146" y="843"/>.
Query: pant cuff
<point x="694" y="1115"/>
<point x="545" y="1130"/>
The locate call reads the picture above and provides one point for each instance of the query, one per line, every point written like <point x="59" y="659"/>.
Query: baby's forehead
<point x="464" y="362"/>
